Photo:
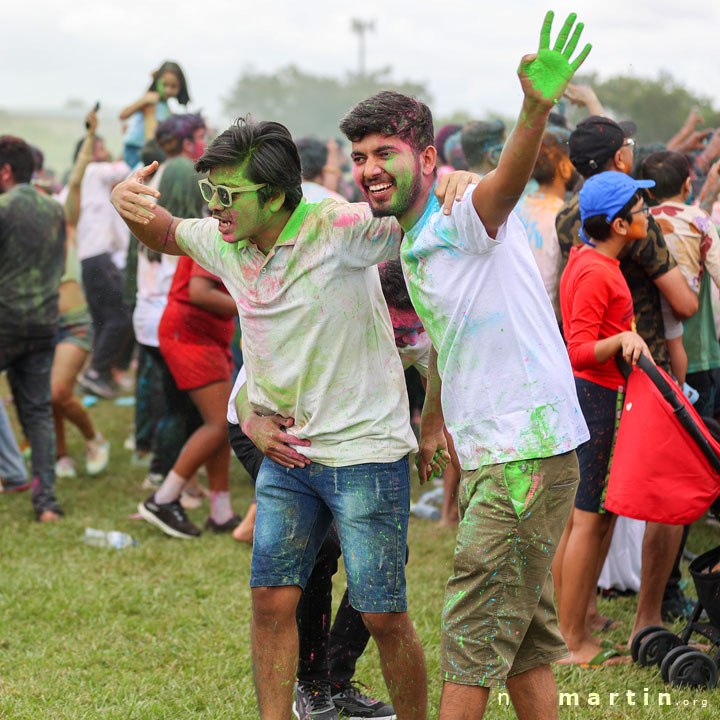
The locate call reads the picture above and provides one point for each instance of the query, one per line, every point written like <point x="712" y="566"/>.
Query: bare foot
<point x="583" y="653"/>
<point x="244" y="531"/>
<point x="603" y="657"/>
<point x="600" y="622"/>
<point x="48" y="516"/>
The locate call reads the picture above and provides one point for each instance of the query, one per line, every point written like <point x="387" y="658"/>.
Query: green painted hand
<point x="545" y="76"/>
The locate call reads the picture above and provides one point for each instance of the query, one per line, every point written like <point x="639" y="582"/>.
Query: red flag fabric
<point x="658" y="472"/>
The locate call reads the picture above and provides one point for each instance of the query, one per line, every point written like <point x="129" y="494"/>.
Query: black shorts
<point x="601" y="407"/>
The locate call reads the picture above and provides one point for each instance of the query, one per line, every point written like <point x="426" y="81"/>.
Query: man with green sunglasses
<point x="325" y="398"/>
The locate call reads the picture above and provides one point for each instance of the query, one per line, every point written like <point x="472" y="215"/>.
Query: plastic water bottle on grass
<point x="113" y="539"/>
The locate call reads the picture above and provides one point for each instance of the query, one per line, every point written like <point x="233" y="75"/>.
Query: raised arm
<point x="151" y="97"/>
<point x="151" y="224"/>
<point x="72" y="201"/>
<point x="544" y="77"/>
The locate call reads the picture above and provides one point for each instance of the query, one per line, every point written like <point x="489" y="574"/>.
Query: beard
<point x="402" y="200"/>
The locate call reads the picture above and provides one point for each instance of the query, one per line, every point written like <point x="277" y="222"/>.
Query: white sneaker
<point x="97" y="455"/>
<point x="65" y="468"/>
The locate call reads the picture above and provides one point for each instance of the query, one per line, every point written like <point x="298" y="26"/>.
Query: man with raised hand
<point x="501" y="378"/>
<point x="323" y="376"/>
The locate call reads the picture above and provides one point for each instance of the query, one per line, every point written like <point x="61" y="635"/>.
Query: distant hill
<point x="56" y="132"/>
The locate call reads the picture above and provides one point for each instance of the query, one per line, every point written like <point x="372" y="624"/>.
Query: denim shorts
<point x="370" y="504"/>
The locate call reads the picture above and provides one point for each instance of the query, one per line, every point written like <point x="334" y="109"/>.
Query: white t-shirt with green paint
<point x="318" y="343"/>
<point x="508" y="391"/>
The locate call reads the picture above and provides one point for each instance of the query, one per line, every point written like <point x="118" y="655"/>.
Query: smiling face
<point x="389" y="173"/>
<point x="246" y="217"/>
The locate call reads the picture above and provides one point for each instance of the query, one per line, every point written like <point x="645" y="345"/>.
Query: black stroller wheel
<point x="656" y="646"/>
<point x="670" y="658"/>
<point x="637" y="640"/>
<point x="694" y="669"/>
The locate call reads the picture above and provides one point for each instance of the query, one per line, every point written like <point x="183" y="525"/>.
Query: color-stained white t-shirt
<point x="317" y="339"/>
<point x="507" y="387"/>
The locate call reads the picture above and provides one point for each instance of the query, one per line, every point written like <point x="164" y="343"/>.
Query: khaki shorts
<point x="499" y="619"/>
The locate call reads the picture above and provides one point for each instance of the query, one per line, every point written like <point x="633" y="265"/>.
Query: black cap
<point x="593" y="142"/>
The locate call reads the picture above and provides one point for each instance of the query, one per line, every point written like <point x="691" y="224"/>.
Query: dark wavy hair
<point x="183" y="97"/>
<point x="668" y="169"/>
<point x="390" y="113"/>
<point x="16" y="153"/>
<point x="271" y="156"/>
<point x="393" y="285"/>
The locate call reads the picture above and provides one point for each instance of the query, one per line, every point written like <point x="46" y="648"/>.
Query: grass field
<point x="161" y="630"/>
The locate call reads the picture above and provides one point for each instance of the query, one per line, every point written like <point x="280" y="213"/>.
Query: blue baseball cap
<point x="606" y="194"/>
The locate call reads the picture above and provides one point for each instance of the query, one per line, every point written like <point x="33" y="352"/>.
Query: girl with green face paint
<point x="152" y="108"/>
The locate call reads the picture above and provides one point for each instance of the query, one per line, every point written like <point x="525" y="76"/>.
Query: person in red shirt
<point x="195" y="333"/>
<point x="598" y="323"/>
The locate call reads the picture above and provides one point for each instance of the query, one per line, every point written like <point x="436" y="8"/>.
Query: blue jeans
<point x="12" y="467"/>
<point x="28" y="364"/>
<point x="370" y="504"/>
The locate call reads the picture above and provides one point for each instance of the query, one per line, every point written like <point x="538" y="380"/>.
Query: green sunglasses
<point x="224" y="193"/>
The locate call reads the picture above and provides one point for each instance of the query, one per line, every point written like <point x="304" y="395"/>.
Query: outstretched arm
<point x="151" y="224"/>
<point x="544" y="77"/>
<point x="72" y="201"/>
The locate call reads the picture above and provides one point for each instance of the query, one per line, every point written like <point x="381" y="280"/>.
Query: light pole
<point x="360" y="27"/>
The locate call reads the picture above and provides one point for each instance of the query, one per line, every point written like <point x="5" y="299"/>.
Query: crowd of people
<point x="472" y="288"/>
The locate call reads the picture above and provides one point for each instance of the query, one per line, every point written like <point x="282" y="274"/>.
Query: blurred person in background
<point x="320" y="169"/>
<point x="441" y="136"/>
<point x="13" y="474"/>
<point x="73" y="343"/>
<point x="537" y="210"/>
<point x="482" y="142"/>
<point x="32" y="259"/>
<point x="102" y="244"/>
<point x="144" y="115"/>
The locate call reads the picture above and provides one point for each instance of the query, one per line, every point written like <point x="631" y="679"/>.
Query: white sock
<point x="170" y="489"/>
<point x="220" y="508"/>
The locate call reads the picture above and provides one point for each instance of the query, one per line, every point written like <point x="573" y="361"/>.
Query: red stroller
<point x="666" y="469"/>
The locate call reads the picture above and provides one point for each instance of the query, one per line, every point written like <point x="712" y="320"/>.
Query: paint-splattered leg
<point x="274" y="649"/>
<point x="533" y="694"/>
<point x="403" y="662"/>
<point x="463" y="702"/>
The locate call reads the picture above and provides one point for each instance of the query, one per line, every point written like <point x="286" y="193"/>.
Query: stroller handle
<point x="679" y="409"/>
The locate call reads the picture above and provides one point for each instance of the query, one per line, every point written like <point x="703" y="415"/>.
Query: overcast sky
<point x="466" y="51"/>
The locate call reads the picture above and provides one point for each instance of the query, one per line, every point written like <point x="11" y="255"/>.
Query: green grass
<point x="161" y="630"/>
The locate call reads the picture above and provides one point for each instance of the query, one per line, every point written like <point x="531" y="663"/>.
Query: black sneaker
<point x="313" y="702"/>
<point x="94" y="383"/>
<point x="355" y="705"/>
<point x="169" y="517"/>
<point x="227" y="526"/>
